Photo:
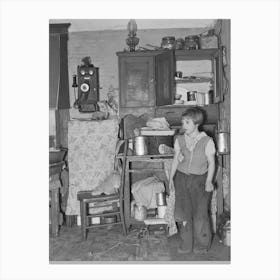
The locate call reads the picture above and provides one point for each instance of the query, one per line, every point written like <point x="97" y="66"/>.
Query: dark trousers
<point x="191" y="205"/>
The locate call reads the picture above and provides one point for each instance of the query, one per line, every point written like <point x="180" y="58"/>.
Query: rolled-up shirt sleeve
<point x="210" y="148"/>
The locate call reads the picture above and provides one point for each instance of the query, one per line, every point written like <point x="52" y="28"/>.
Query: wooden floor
<point x="140" y="245"/>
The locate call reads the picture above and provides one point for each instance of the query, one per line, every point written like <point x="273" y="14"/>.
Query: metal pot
<point x="140" y="212"/>
<point x="139" y="146"/>
<point x="161" y="199"/>
<point x="109" y="219"/>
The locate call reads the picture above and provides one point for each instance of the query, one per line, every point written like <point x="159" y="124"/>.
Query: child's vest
<point x="195" y="161"/>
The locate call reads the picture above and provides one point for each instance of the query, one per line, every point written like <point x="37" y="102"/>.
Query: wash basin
<point x="56" y="155"/>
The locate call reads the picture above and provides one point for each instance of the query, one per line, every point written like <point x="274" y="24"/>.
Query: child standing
<point x="192" y="174"/>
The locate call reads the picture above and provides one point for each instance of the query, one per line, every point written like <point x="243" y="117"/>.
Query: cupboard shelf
<point x="194" y="58"/>
<point x="193" y="81"/>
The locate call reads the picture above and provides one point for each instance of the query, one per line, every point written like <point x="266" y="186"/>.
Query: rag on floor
<point x="144" y="191"/>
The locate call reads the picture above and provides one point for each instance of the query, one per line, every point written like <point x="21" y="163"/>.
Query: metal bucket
<point x="139" y="146"/>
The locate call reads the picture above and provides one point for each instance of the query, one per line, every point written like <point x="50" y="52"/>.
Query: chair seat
<point x="86" y="198"/>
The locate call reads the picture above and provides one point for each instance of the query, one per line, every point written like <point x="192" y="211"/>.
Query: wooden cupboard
<point x="145" y="79"/>
<point x="148" y="84"/>
<point x="207" y="60"/>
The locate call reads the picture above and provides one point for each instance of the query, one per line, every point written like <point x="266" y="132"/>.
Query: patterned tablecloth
<point x="91" y="154"/>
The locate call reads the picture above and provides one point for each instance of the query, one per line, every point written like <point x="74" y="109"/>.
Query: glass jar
<point x="192" y="42"/>
<point x="179" y="44"/>
<point x="191" y="95"/>
<point x="168" y="43"/>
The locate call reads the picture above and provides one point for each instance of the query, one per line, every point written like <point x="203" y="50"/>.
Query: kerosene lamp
<point x="132" y="41"/>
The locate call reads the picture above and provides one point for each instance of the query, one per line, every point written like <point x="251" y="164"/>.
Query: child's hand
<point x="180" y="157"/>
<point x="209" y="187"/>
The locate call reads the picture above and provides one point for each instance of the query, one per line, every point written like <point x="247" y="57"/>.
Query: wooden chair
<point x="86" y="199"/>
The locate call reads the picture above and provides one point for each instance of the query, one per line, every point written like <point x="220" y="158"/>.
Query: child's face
<point x="188" y="125"/>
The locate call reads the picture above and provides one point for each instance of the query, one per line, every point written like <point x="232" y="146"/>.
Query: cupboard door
<point x="137" y="81"/>
<point x="164" y="78"/>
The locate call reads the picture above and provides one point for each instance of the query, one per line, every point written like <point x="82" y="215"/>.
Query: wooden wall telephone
<point x="88" y="86"/>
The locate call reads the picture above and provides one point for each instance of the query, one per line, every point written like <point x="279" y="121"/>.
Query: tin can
<point x="161" y="199"/>
<point x="200" y="98"/>
<point x="140" y="147"/>
<point x="208" y="97"/>
<point x="191" y="95"/>
<point x="226" y="234"/>
<point x="223" y="142"/>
